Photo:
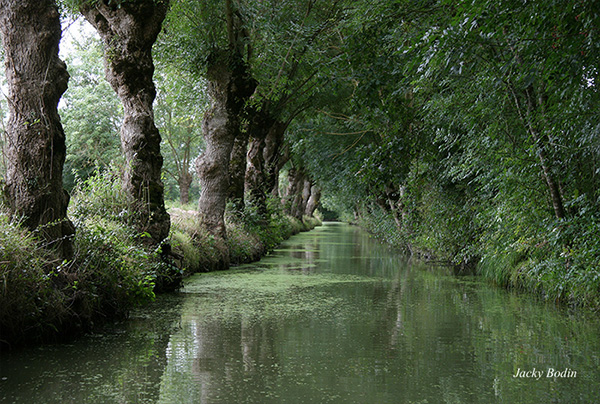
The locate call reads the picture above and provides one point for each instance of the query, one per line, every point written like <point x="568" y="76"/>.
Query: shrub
<point x="29" y="304"/>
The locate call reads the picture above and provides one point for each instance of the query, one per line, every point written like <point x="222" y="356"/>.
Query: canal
<point x="331" y="316"/>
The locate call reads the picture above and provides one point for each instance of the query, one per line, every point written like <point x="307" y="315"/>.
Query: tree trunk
<point x="545" y="162"/>
<point x="294" y="193"/>
<point x="264" y="155"/>
<point x="313" y="201"/>
<point x="273" y="154"/>
<point x="128" y="31"/>
<point x="229" y="86"/>
<point x="237" y="171"/>
<point x="305" y="196"/>
<point x="185" y="182"/>
<point x="284" y="157"/>
<point x="35" y="147"/>
<point x="255" y="177"/>
<point x="297" y="196"/>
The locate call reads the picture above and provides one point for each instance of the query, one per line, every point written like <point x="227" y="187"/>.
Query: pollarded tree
<point x="212" y="38"/>
<point x="302" y="195"/>
<point x="35" y="147"/>
<point x="128" y="30"/>
<point x="313" y="200"/>
<point x="298" y="44"/>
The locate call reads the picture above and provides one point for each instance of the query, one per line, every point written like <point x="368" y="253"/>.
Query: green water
<point x="330" y="317"/>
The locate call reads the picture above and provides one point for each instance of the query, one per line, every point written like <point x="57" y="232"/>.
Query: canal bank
<point x="44" y="299"/>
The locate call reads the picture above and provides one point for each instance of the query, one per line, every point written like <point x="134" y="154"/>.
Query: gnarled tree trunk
<point x="283" y="158"/>
<point x="305" y="196"/>
<point x="295" y="192"/>
<point x="35" y="150"/>
<point x="237" y="171"/>
<point x="273" y="154"/>
<point x="263" y="159"/>
<point x="313" y="201"/>
<point x="255" y="176"/>
<point x="229" y="86"/>
<point x="128" y="31"/>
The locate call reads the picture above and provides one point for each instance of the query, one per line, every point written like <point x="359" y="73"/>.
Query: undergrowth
<point x="43" y="298"/>
<point x="249" y="236"/>
<point x="515" y="248"/>
<point x="113" y="269"/>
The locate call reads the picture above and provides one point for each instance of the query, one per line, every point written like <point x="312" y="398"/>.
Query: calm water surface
<point x="330" y="317"/>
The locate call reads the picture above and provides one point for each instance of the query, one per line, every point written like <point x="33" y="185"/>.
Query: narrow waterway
<point x="330" y="317"/>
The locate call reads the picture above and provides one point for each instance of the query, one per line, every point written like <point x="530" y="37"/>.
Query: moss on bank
<point x="44" y="299"/>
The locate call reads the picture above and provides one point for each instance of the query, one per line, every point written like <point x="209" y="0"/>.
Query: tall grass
<point x="43" y="298"/>
<point x="29" y="302"/>
<point x="249" y="235"/>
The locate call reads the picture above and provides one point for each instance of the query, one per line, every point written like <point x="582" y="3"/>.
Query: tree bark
<point x="237" y="171"/>
<point x="273" y="154"/>
<point x="305" y="196"/>
<point x="284" y="157"/>
<point x="313" y="201"/>
<point x="229" y="86"/>
<point x="263" y="159"/>
<point x="297" y="196"/>
<point x="541" y="143"/>
<point x="35" y="148"/>
<point x="294" y="193"/>
<point x="255" y="177"/>
<point x="185" y="182"/>
<point x="128" y="31"/>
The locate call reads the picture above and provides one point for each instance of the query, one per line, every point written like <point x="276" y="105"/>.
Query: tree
<point x="215" y="37"/>
<point x="128" y="30"/>
<point x="523" y="73"/>
<point x="91" y="114"/>
<point x="302" y="196"/>
<point x="180" y="103"/>
<point x="3" y="116"/>
<point x="464" y="125"/>
<point x="35" y="146"/>
<point x="292" y="66"/>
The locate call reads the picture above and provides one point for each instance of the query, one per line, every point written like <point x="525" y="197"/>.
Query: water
<point x="330" y="317"/>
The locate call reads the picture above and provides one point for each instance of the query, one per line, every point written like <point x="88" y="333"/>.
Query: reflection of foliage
<point x="404" y="333"/>
<point x="419" y="332"/>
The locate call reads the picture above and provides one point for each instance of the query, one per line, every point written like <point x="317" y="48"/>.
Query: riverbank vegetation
<point x="113" y="269"/>
<point x="471" y="138"/>
<point x="462" y="132"/>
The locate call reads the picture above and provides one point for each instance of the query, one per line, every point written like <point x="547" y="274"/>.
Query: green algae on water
<point x="263" y="294"/>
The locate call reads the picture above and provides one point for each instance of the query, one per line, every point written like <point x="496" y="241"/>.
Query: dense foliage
<point x="471" y="136"/>
<point x="91" y="114"/>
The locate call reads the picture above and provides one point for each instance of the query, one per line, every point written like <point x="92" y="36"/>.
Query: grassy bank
<point x="249" y="237"/>
<point x="43" y="299"/>
<point x="556" y="260"/>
